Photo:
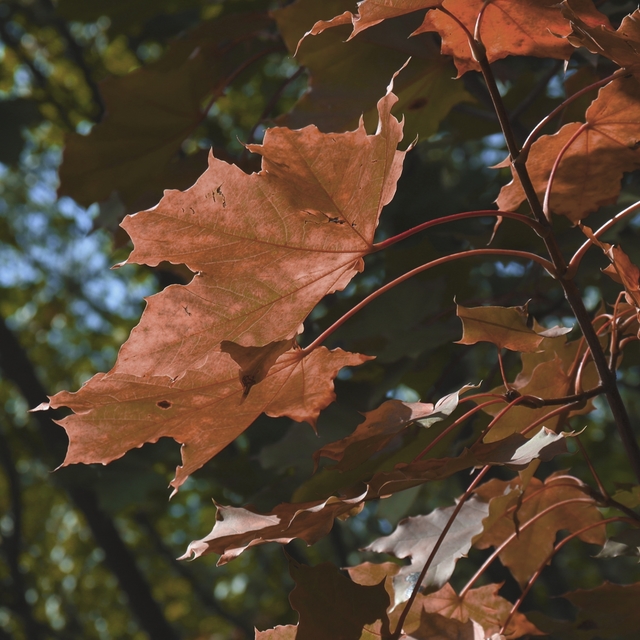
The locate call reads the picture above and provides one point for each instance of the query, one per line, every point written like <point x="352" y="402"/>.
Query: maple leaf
<point x="152" y="110"/>
<point x="331" y="605"/>
<point x="592" y="156"/>
<point x="506" y="327"/>
<point x="382" y="425"/>
<point x="525" y="553"/>
<point x="545" y="374"/>
<point x="421" y="625"/>
<point x="265" y="247"/>
<point x="204" y="409"/>
<point x="347" y="78"/>
<point x="508" y="27"/>
<point x="236" y="529"/>
<point x="482" y="605"/>
<point x="415" y="538"/>
<point x="595" y="33"/>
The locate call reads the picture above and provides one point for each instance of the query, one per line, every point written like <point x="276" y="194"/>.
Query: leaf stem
<point x="571" y="291"/>
<point x="554" y="169"/>
<point x="524" y="255"/>
<point x="516" y="534"/>
<point x="396" y="634"/>
<point x="455" y="217"/>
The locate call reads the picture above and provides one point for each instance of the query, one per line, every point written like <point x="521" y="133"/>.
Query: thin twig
<point x="484" y="213"/>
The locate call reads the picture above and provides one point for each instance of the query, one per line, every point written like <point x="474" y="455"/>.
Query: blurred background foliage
<point x="89" y="552"/>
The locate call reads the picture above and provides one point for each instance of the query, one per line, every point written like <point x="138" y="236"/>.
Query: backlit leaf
<point x="265" y="247"/>
<point x="528" y="550"/>
<point x="594" y="155"/>
<point x="483" y="605"/>
<point x="506" y="327"/>
<point x="508" y="28"/>
<point x="203" y="409"/>
<point x="237" y="529"/>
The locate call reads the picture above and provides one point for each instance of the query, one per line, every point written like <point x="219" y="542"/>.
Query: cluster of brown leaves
<point x="209" y="357"/>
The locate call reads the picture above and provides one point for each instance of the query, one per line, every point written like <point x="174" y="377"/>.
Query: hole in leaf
<point x="164" y="404"/>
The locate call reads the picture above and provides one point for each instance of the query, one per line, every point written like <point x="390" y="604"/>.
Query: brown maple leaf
<point x="591" y="157"/>
<point x="204" y="409"/>
<point x="528" y="550"/>
<point x="508" y="27"/>
<point x="506" y="327"/>
<point x="265" y="247"/>
<point x="236" y="529"/>
<point x="595" y="33"/>
<point x="483" y="605"/>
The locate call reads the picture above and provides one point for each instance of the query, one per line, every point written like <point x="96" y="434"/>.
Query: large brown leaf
<point x="347" y="78"/>
<point x="204" y="409"/>
<point x="595" y="155"/>
<point x="509" y="27"/>
<point x="152" y="110"/>
<point x="528" y="550"/>
<point x="265" y="247"/>
<point x="483" y="605"/>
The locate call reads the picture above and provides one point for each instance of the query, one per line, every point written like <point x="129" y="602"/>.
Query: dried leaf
<point x="382" y="425"/>
<point x="330" y="605"/>
<point x="525" y="553"/>
<point x="595" y="155"/>
<point x="416" y="537"/>
<point x="508" y="28"/>
<point x="236" y="529"/>
<point x="202" y="409"/>
<point x="506" y="327"/>
<point x="266" y="247"/>
<point x="598" y="36"/>
<point x="482" y="605"/>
